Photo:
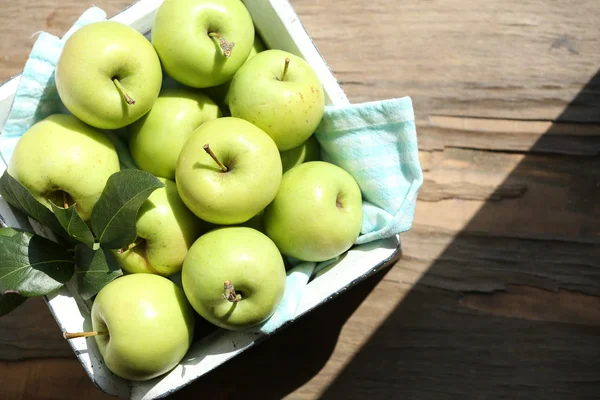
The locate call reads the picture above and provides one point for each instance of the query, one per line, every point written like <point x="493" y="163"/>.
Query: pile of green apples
<point x="233" y="145"/>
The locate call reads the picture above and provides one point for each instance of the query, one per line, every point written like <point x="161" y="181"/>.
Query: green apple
<point x="149" y="325"/>
<point x="281" y="94"/>
<point x="307" y="151"/>
<point x="317" y="213"/>
<point x="108" y="75"/>
<point x="166" y="229"/>
<point x="220" y="93"/>
<point x="242" y="185"/>
<point x="157" y="138"/>
<point x="64" y="160"/>
<point x="242" y="259"/>
<point x="193" y="39"/>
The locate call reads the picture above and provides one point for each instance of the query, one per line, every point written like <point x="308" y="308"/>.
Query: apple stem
<point x="230" y="293"/>
<point x="137" y="242"/>
<point x="225" y="45"/>
<point x="65" y="200"/>
<point x="123" y="92"/>
<point x="207" y="148"/>
<point x="285" y="69"/>
<point x="68" y="335"/>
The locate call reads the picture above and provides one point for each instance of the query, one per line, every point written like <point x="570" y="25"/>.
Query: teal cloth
<point x="376" y="142"/>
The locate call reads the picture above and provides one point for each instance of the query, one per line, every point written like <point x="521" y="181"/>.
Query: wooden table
<point x="497" y="294"/>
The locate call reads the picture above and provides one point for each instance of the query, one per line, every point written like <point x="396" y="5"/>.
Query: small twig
<point x="285" y="69"/>
<point x="230" y="293"/>
<point x="123" y="92"/>
<point x="207" y="148"/>
<point x="225" y="45"/>
<point x="68" y="335"/>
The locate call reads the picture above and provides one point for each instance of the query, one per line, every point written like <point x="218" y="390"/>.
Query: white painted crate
<point x="280" y="28"/>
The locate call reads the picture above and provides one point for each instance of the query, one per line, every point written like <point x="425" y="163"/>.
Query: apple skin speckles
<point x="295" y="104"/>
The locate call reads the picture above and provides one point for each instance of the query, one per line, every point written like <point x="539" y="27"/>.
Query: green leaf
<point x="18" y="196"/>
<point x="10" y="300"/>
<point x="32" y="265"/>
<point x="10" y="232"/>
<point x="95" y="269"/>
<point x="73" y="224"/>
<point x="115" y="213"/>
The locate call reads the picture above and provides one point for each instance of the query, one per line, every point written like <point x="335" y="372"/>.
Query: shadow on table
<point x="527" y="334"/>
<point x="500" y="317"/>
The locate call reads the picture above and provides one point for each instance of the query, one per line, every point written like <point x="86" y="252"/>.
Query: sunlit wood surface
<point x="496" y="295"/>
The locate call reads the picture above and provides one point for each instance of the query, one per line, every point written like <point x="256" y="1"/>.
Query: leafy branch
<point x="31" y="265"/>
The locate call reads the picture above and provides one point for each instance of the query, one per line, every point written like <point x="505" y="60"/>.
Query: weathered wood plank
<point x="531" y="196"/>
<point x="46" y="379"/>
<point x="468" y="262"/>
<point x="509" y="135"/>
<point x="20" y="24"/>
<point x="31" y="332"/>
<point x="510" y="59"/>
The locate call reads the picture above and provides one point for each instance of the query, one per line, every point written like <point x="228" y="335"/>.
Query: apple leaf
<point x="9" y="300"/>
<point x="73" y="224"/>
<point x="115" y="213"/>
<point x="95" y="269"/>
<point x="19" y="197"/>
<point x="10" y="232"/>
<point x="32" y="265"/>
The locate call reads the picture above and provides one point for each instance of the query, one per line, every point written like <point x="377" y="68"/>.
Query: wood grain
<point x="498" y="291"/>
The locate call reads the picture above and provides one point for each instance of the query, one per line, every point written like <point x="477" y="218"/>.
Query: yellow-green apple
<point x="63" y="160"/>
<point x="220" y="93"/>
<point x="145" y="325"/>
<point x="317" y="213"/>
<point x="202" y="43"/>
<point x="228" y="171"/>
<point x="307" y="151"/>
<point x="281" y="94"/>
<point x="157" y="138"/>
<point x="166" y="229"/>
<point x="108" y="75"/>
<point x="234" y="277"/>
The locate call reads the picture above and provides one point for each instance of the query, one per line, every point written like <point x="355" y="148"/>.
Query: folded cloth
<point x="375" y="142"/>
